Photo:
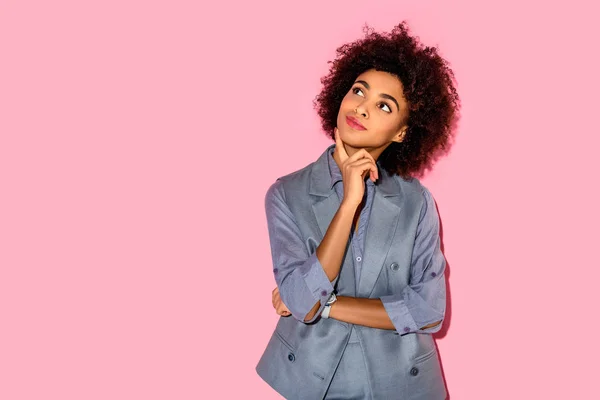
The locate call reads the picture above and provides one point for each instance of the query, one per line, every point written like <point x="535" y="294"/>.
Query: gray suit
<point x="403" y="265"/>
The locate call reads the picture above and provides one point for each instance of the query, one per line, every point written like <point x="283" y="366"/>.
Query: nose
<point x="362" y="110"/>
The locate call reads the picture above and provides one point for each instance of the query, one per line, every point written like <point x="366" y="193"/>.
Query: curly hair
<point x="428" y="88"/>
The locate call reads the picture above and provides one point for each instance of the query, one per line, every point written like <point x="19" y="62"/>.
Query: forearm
<point x="362" y="311"/>
<point x="333" y="246"/>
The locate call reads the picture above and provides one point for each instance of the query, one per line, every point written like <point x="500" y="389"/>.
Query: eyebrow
<point x="385" y="96"/>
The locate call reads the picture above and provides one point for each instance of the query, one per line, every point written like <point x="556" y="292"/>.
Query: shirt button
<point x="358" y="258"/>
<point x="414" y="371"/>
<point x="291" y="357"/>
<point x="433" y="274"/>
<point x="324" y="293"/>
<point x="394" y="266"/>
<point x="275" y="271"/>
<point x="406" y="329"/>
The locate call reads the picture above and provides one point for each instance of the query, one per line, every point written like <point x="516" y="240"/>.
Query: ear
<point x="400" y="135"/>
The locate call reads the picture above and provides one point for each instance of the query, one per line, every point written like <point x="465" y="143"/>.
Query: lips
<point x="353" y="123"/>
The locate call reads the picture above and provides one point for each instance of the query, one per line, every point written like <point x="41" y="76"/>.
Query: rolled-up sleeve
<point x="423" y="300"/>
<point x="299" y="275"/>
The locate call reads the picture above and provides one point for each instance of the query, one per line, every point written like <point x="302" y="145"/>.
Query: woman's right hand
<point x="354" y="169"/>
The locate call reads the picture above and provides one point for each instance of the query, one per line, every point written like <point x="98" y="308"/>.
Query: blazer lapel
<point x="383" y="220"/>
<point x="384" y="217"/>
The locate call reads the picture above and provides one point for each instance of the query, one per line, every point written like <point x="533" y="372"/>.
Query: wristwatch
<point x="327" y="308"/>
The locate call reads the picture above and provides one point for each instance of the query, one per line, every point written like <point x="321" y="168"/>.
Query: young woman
<point x="355" y="235"/>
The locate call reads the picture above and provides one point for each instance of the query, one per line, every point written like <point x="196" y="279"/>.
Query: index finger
<point x="339" y="145"/>
<point x="363" y="153"/>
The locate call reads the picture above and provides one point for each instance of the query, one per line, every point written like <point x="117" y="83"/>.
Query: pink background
<point x="138" y="140"/>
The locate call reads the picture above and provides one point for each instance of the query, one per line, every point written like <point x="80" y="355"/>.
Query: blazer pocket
<point x="425" y="380"/>
<point x="425" y="357"/>
<point x="285" y="342"/>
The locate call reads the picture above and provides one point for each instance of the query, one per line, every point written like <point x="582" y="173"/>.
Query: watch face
<point x="332" y="299"/>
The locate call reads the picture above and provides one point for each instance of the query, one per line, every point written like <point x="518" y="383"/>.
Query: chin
<point x="351" y="138"/>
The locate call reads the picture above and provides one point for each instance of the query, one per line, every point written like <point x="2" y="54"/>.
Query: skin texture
<point x="368" y="102"/>
<point x="356" y="154"/>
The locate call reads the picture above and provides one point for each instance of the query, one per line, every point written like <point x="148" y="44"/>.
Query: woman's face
<point x="376" y="102"/>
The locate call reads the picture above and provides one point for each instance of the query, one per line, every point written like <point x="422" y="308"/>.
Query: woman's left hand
<point x="280" y="308"/>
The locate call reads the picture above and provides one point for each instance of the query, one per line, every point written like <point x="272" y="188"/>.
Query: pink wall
<point x="130" y="268"/>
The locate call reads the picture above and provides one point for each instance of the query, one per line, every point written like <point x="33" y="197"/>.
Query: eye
<point x="388" y="107"/>
<point x="355" y="89"/>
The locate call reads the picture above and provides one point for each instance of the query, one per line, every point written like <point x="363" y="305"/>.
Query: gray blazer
<point x="301" y="357"/>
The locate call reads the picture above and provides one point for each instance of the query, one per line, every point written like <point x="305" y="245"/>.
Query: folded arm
<point x="366" y="312"/>
<point x="305" y="281"/>
<point x="421" y="305"/>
